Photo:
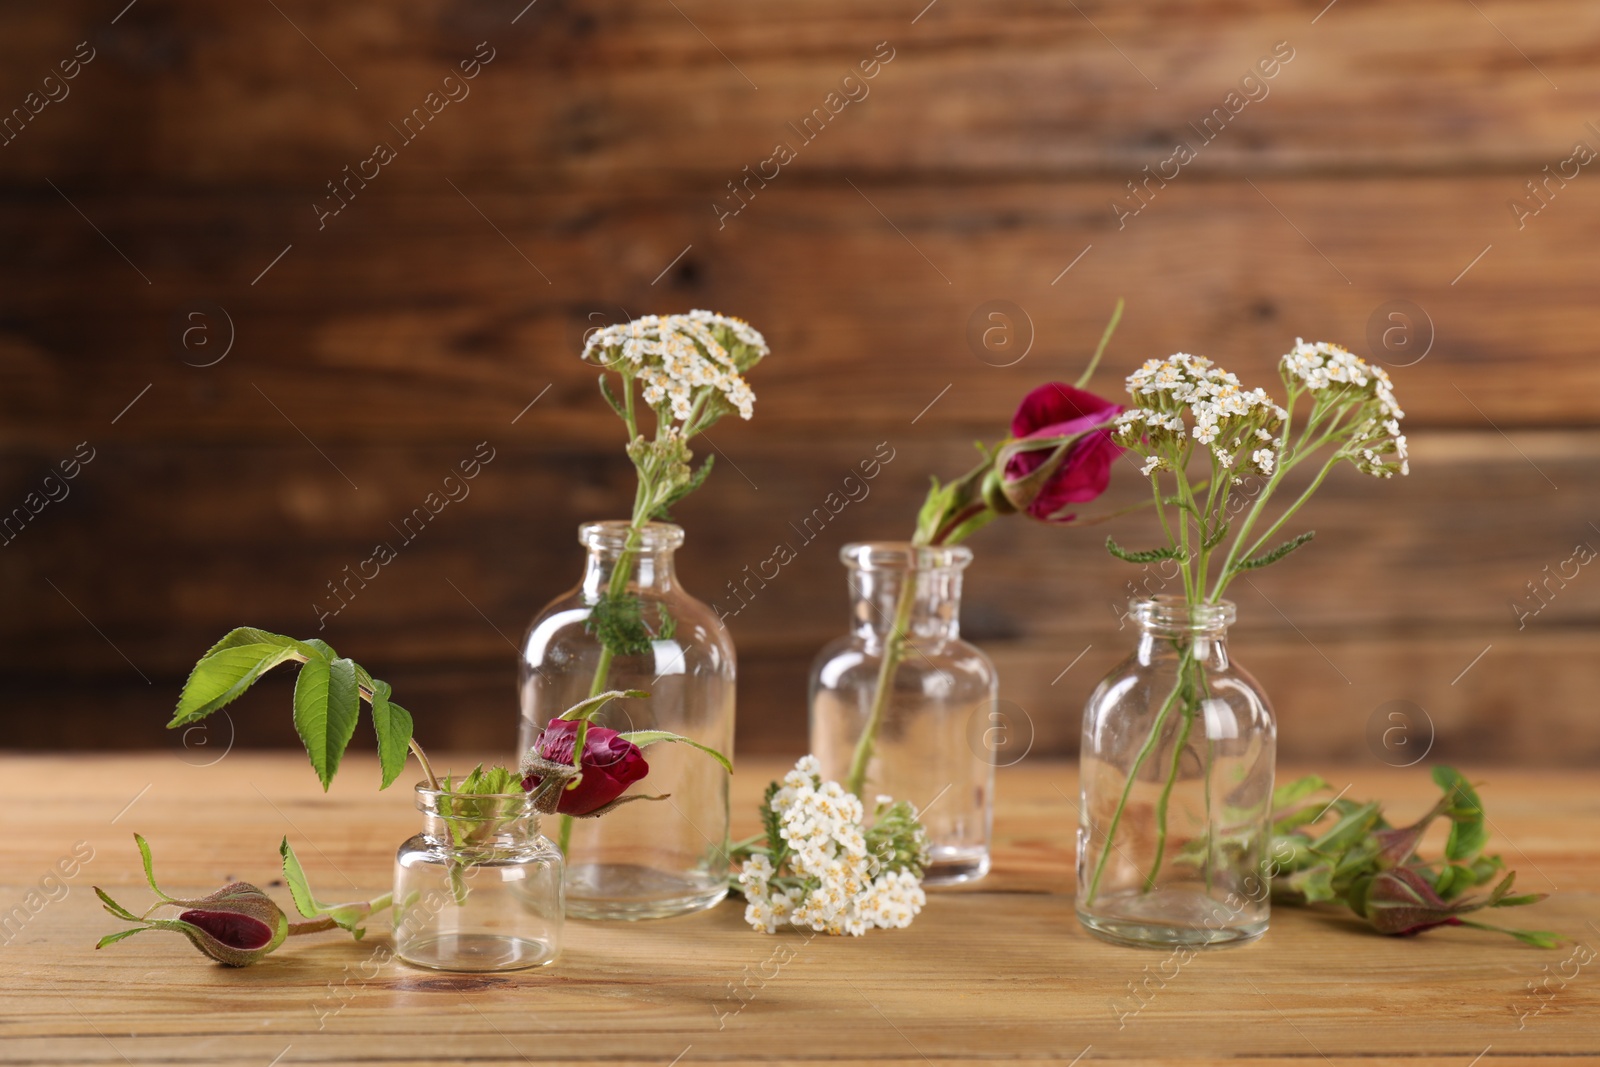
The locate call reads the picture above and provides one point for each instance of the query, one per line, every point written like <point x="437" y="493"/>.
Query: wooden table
<point x="1001" y="970"/>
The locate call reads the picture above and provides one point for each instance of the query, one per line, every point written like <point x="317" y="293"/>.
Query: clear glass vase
<point x="903" y="664"/>
<point x="479" y="889"/>
<point x="1176" y="787"/>
<point x="648" y="859"/>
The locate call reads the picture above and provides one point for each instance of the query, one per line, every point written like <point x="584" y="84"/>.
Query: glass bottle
<point x="1176" y="787"/>
<point x="648" y="859"/>
<point x="479" y="889"/>
<point x="939" y="699"/>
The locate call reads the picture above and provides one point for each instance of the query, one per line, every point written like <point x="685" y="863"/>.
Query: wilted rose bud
<point x="611" y="763"/>
<point x="1060" y="455"/>
<point x="236" y="925"/>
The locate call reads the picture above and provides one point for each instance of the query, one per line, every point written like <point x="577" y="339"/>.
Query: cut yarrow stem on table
<point x="1180" y="722"/>
<point x="816" y="866"/>
<point x="442" y="917"/>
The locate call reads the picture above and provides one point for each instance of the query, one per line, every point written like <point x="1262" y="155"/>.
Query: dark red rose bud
<point x="611" y="763"/>
<point x="1046" y="481"/>
<point x="236" y="925"/>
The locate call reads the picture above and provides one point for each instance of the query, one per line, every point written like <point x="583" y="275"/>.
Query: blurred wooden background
<point x="177" y="173"/>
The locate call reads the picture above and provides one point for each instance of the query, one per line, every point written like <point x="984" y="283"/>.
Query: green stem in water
<point x="1172" y="777"/>
<point x="1145" y="751"/>
<point x="893" y="652"/>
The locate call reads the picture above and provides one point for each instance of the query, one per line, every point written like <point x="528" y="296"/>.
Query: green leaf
<point x="1298" y="790"/>
<point x="294" y="876"/>
<point x="618" y="623"/>
<point x="149" y="866"/>
<point x="644" y="738"/>
<point x="1149" y="556"/>
<point x="663" y="511"/>
<point x="223" y="675"/>
<point x="1469" y="832"/>
<point x="114" y="908"/>
<point x="616" y="405"/>
<point x="1314" y="883"/>
<point x="1348" y="831"/>
<point x="121" y="935"/>
<point x="326" y="704"/>
<point x="1277" y="553"/>
<point x="251" y="635"/>
<point x="1216" y="537"/>
<point x="393" y="725"/>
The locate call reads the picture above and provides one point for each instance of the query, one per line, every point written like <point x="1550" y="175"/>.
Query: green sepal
<point x="112" y="939"/>
<point x="149" y="866"/>
<point x="644" y="738"/>
<point x="114" y="908"/>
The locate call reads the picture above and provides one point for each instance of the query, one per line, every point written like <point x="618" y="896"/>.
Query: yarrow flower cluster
<point x="1224" y="416"/>
<point x="675" y="355"/>
<point x="1341" y="374"/>
<point x="821" y="869"/>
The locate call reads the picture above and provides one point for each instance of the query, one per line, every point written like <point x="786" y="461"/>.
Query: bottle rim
<point x="1177" y="613"/>
<point x="904" y="556"/>
<point x="491" y="807"/>
<point x="612" y="535"/>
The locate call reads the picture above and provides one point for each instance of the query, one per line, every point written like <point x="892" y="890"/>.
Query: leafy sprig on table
<point x="1344" y="851"/>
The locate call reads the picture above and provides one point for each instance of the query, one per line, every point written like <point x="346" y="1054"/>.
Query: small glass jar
<point x="653" y="858"/>
<point x="1176" y="787"/>
<point x="479" y="889"/>
<point x="938" y="693"/>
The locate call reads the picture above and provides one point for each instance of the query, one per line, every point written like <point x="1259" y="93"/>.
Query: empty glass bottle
<point x="1176" y="787"/>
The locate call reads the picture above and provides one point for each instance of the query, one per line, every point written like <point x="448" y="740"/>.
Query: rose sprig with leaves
<point x="1058" y="455"/>
<point x="1346" y="852"/>
<point x="687" y="372"/>
<point x="240" y="924"/>
<point x="575" y="769"/>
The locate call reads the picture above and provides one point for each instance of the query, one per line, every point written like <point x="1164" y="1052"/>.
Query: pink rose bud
<point x="236" y="925"/>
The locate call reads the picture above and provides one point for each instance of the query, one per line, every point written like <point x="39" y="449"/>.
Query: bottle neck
<point x="646" y="557"/>
<point x="1170" y="627"/>
<point x="900" y="587"/>
<point x="472" y="823"/>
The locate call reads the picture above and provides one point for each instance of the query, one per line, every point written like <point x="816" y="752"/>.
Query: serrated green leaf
<point x="1277" y="553"/>
<point x="1469" y="832"/>
<point x="113" y="907"/>
<point x="326" y="705"/>
<point x="393" y="725"/>
<point x="222" y="676"/>
<point x="149" y="866"/>
<point x="1148" y="556"/>
<point x="251" y="635"/>
<point x="322" y="648"/>
<point x="643" y="738"/>
<point x="294" y="876"/>
<point x="121" y="935"/>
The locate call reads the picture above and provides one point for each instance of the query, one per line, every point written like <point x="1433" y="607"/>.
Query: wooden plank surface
<point x="997" y="971"/>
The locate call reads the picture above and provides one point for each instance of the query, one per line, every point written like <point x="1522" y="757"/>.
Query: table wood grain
<point x="1000" y="970"/>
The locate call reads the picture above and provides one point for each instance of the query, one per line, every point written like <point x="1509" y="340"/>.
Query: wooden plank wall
<point x="584" y="173"/>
